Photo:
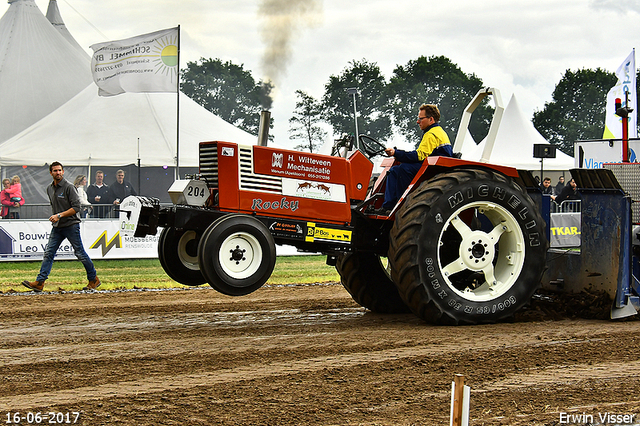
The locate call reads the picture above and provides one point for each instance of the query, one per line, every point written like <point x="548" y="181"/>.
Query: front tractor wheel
<point x="237" y="254"/>
<point x="178" y="255"/>
<point x="467" y="247"/>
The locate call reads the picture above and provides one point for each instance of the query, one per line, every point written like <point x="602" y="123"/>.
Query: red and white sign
<point x="299" y="165"/>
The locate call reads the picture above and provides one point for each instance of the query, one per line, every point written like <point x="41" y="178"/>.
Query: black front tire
<point x="178" y="255"/>
<point x="467" y="247"/>
<point x="368" y="282"/>
<point x="237" y="254"/>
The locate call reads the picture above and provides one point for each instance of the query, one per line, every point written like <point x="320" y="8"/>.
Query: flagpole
<point x="139" y="181"/>
<point x="178" y="111"/>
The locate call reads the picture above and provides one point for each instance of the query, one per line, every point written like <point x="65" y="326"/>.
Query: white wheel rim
<point x="385" y="265"/>
<point x="240" y="255"/>
<point x="498" y="253"/>
<point x="190" y="262"/>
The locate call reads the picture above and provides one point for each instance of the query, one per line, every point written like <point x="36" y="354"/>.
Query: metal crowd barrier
<point x="567" y="206"/>
<point x="95" y="211"/>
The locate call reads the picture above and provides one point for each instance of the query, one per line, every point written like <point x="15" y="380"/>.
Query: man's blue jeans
<point x="57" y="236"/>
<point x="398" y="179"/>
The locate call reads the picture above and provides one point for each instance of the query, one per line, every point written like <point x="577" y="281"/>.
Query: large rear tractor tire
<point x="467" y="247"/>
<point x="237" y="254"/>
<point x="368" y="282"/>
<point x="178" y="254"/>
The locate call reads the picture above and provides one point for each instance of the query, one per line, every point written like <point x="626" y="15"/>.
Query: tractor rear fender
<point x="435" y="165"/>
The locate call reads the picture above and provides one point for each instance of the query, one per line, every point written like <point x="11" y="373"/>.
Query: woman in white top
<point x="79" y="183"/>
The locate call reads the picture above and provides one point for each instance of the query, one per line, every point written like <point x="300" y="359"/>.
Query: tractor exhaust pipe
<point x="263" y="130"/>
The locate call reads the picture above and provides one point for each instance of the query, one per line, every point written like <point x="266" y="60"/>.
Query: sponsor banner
<point x="142" y="64"/>
<point x="316" y="190"/>
<point x="102" y="239"/>
<point x="592" y="154"/>
<point x="323" y="233"/>
<point x="565" y="230"/>
<point x="286" y="229"/>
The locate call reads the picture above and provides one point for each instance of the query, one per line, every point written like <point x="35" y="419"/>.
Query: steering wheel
<point x="371" y="146"/>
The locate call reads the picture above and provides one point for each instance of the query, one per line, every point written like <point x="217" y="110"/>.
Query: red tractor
<point x="465" y="244"/>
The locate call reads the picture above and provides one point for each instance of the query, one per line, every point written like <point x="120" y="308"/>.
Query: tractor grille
<point x="252" y="182"/>
<point x="209" y="164"/>
<point x="249" y="181"/>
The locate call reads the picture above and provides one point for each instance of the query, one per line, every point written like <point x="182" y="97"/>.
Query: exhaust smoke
<point x="281" y="20"/>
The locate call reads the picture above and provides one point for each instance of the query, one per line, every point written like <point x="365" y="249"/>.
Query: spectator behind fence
<point x="12" y="198"/>
<point x="79" y="183"/>
<point x="570" y="192"/>
<point x="120" y="189"/>
<point x="7" y="204"/>
<point x="560" y="186"/>
<point x="547" y="189"/>
<point x="15" y="190"/>
<point x="5" y="199"/>
<point x="97" y="194"/>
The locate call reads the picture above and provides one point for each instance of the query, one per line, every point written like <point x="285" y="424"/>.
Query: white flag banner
<point x="142" y="64"/>
<point x="626" y="74"/>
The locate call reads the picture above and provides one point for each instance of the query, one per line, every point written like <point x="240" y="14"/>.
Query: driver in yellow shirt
<point x="435" y="142"/>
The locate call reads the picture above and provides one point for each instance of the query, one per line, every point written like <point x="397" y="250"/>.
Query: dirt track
<point x="300" y="355"/>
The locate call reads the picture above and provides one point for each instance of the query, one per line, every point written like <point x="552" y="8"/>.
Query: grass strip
<point x="69" y="275"/>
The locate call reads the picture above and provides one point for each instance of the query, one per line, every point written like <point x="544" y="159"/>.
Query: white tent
<point x="39" y="68"/>
<point x="53" y="16"/>
<point x="104" y="131"/>
<point x="470" y="150"/>
<point x="514" y="144"/>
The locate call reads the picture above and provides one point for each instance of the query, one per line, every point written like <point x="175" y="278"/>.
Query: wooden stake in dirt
<point x="459" y="402"/>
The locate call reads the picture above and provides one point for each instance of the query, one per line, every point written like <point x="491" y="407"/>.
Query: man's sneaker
<point x="36" y="286"/>
<point x="93" y="284"/>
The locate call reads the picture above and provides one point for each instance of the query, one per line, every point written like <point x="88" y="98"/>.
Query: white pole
<point x="465" y="405"/>
<point x="177" y="174"/>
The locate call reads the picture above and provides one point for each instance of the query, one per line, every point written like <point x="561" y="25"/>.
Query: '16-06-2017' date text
<point x="51" y="418"/>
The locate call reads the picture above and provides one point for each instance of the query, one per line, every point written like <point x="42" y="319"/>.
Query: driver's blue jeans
<point x="57" y="236"/>
<point x="398" y="179"/>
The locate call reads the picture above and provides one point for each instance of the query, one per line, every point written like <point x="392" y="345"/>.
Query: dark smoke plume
<point x="281" y="20"/>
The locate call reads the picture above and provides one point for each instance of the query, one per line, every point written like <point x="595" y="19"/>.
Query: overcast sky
<point x="520" y="47"/>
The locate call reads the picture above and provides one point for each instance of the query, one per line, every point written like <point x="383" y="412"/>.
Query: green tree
<point x="227" y="90"/>
<point x="304" y="123"/>
<point x="436" y="80"/>
<point x="577" y="111"/>
<point x="373" y="116"/>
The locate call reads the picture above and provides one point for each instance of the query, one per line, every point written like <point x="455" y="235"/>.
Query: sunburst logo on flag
<point x="167" y="50"/>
